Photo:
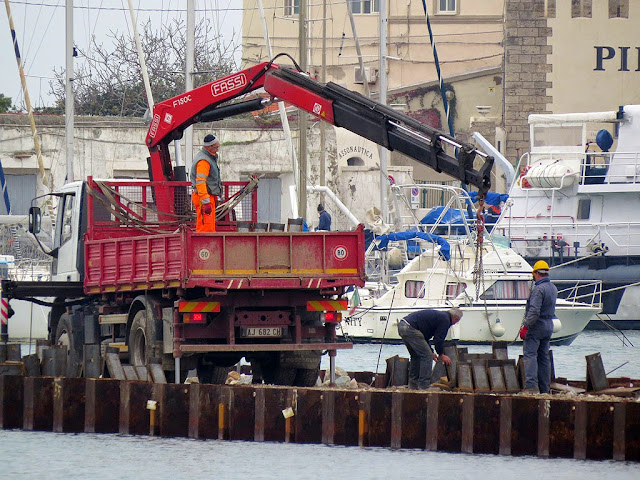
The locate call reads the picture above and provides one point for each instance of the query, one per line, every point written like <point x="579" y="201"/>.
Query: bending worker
<point x="537" y="329"/>
<point x="416" y="329"/>
<point x="206" y="184"/>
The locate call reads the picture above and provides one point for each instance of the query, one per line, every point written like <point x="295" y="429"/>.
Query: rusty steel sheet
<point x="173" y="402"/>
<point x="496" y="380"/>
<point x="450" y="422"/>
<point x="31" y="365"/>
<point x="379" y="418"/>
<point x="466" y="433"/>
<point x="241" y="413"/>
<point x="544" y="413"/>
<point x="480" y="378"/>
<point x="346" y="417"/>
<point x="275" y="400"/>
<point x="11" y="401"/>
<point x="54" y="361"/>
<point x="134" y="416"/>
<point x="619" y="419"/>
<point x="204" y="401"/>
<point x="600" y="430"/>
<point x="38" y="403"/>
<point x="431" y="434"/>
<point x="506" y="415"/>
<point x="561" y="428"/>
<point x="499" y="350"/>
<point x="69" y="404"/>
<point x="91" y="361"/>
<point x="308" y="415"/>
<point x="524" y="430"/>
<point x="580" y="431"/>
<point x="486" y="427"/>
<point x="102" y="406"/>
<point x="632" y="432"/>
<point x="413" y="424"/>
<point x="511" y="378"/>
<point x="328" y="417"/>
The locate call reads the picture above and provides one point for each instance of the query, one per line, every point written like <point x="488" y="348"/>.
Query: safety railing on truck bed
<point x="130" y="207"/>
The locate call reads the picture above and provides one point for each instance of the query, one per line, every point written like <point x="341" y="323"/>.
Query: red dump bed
<point x="125" y="253"/>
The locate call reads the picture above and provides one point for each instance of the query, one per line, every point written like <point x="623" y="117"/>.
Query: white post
<point x="384" y="153"/>
<point x="188" y="80"/>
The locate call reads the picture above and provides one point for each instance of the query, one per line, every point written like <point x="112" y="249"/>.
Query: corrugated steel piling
<point x="583" y="427"/>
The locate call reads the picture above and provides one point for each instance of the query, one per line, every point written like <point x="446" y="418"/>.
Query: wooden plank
<point x="559" y="387"/>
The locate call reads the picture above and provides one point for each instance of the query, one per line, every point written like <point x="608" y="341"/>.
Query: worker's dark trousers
<point x="537" y="365"/>
<point x="421" y="356"/>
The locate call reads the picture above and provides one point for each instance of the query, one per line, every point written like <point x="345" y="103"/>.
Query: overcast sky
<point x="40" y="30"/>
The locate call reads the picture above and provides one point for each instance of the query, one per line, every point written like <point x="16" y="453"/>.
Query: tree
<point x="109" y="81"/>
<point x="5" y="103"/>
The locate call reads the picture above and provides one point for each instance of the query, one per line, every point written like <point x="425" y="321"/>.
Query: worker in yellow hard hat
<point x="537" y="329"/>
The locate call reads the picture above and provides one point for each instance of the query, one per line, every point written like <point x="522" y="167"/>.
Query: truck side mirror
<point x="35" y="220"/>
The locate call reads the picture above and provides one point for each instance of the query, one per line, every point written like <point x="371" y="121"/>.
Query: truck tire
<point x="140" y="338"/>
<point x="213" y="374"/>
<point x="306" y="377"/>
<point x="71" y="335"/>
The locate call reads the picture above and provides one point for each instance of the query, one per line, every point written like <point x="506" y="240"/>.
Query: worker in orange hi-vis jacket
<point x="206" y="184"/>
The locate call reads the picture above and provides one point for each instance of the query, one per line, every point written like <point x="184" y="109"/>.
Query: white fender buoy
<point x="497" y="329"/>
<point x="557" y="325"/>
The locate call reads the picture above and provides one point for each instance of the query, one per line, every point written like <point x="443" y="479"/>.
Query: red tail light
<point x="332" y="317"/>
<point x="194" y="317"/>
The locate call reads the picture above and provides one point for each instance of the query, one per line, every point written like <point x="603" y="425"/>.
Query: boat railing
<point x="590" y="168"/>
<point x="580" y="291"/>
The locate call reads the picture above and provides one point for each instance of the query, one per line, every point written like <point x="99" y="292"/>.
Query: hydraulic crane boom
<point x="329" y="102"/>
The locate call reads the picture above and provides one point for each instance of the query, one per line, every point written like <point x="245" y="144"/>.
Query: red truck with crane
<point x="131" y="272"/>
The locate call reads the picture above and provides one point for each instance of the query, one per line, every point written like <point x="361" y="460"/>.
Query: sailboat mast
<point x="27" y="101"/>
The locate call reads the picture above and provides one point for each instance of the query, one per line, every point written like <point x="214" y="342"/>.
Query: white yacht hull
<point x="380" y="324"/>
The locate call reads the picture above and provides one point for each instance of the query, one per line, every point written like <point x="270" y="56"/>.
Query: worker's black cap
<point x="320" y="207"/>
<point x="209" y="140"/>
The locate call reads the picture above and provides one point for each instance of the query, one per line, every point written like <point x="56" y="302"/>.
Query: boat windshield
<point x="507" y="290"/>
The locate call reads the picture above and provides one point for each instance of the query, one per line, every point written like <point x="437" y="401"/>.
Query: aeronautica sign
<point x="626" y="59"/>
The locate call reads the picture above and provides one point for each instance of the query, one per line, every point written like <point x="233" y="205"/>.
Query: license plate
<point x="262" y="332"/>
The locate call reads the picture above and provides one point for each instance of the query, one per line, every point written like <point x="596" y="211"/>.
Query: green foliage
<point x="5" y="103"/>
<point x="108" y="80"/>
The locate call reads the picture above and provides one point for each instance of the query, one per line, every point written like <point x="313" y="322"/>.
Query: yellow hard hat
<point x="541" y="265"/>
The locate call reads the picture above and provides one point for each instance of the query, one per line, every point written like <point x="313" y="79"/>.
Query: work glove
<point x="207" y="209"/>
<point x="523" y="332"/>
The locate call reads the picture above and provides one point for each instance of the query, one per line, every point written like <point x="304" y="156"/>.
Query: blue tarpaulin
<point x="445" y="249"/>
<point x="5" y="193"/>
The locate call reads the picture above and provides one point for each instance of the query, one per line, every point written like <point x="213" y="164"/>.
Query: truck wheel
<point x="72" y="337"/>
<point x="140" y="339"/>
<point x="213" y="374"/>
<point x="306" y="377"/>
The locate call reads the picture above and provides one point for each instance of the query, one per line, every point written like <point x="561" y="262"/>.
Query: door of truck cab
<point x="68" y="235"/>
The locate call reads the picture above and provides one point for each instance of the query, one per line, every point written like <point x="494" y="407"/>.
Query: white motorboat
<point x="491" y="291"/>
<point x="489" y="281"/>
<point x="574" y="205"/>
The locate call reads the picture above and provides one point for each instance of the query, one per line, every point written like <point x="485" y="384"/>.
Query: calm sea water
<point x="45" y="455"/>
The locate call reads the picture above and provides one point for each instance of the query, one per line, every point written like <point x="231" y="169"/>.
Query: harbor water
<point x="47" y="455"/>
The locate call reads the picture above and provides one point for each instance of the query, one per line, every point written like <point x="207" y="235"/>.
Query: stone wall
<point x="526" y="51"/>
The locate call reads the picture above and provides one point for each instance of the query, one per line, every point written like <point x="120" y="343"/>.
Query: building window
<point x="447" y="6"/>
<point x="364" y="6"/>
<point x="550" y="8"/>
<point x="618" y="8"/>
<point x="291" y="7"/>
<point x="581" y="8"/>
